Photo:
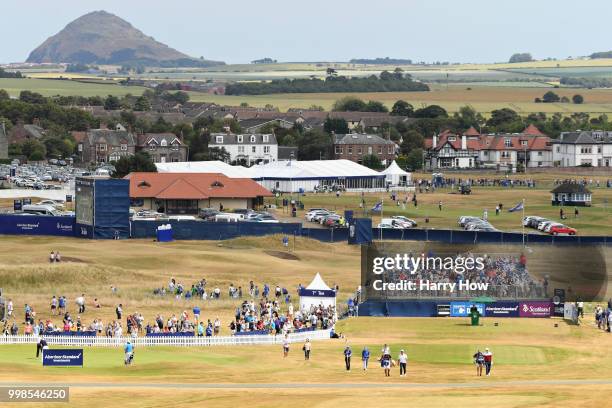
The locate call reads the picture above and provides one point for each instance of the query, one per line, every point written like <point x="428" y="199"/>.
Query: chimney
<point x="435" y="141"/>
<point x="463" y="142"/>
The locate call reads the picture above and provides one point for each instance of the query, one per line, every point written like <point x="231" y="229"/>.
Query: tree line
<point x="395" y="81"/>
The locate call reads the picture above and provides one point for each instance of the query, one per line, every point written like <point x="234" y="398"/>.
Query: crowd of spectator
<point x="507" y="276"/>
<point x="270" y="310"/>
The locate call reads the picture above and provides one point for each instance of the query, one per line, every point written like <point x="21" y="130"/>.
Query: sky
<point x="239" y="31"/>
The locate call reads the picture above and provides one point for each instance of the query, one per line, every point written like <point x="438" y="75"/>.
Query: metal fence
<point x="177" y="341"/>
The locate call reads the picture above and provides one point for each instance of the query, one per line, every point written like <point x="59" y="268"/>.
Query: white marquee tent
<point x="205" y="167"/>
<point x="317" y="293"/>
<point x="290" y="176"/>
<point x="395" y="176"/>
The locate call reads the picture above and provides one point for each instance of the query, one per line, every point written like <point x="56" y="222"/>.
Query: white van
<point x="229" y="217"/>
<point x="182" y="218"/>
<point x="42" y="209"/>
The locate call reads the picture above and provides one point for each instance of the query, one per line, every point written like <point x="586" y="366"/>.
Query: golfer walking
<point x="347" y="357"/>
<point x="365" y="356"/>
<point x="479" y="360"/>
<point x="129" y="352"/>
<point x="488" y="361"/>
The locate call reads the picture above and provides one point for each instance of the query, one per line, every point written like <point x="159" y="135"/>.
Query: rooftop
<point x="192" y="186"/>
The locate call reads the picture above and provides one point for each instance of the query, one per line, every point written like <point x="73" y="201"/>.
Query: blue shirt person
<point x="365" y="356"/>
<point x="129" y="350"/>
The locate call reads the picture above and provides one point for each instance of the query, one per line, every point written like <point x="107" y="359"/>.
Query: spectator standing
<point x="580" y="307"/>
<point x="62" y="305"/>
<point x="365" y="357"/>
<point x="403" y="362"/>
<point x="53" y="305"/>
<point x="58" y="257"/>
<point x="52" y="257"/>
<point x="196" y="313"/>
<point x="440" y="205"/>
<point x="286" y="346"/>
<point x="347" y="357"/>
<point x="488" y="361"/>
<point x="307" y="347"/>
<point x="80" y="301"/>
<point x="119" y="311"/>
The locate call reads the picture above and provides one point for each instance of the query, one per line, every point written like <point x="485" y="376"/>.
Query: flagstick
<point x="523" y="222"/>
<point x="382" y="206"/>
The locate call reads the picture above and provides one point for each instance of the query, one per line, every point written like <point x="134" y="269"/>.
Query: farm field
<point x="482" y="98"/>
<point x="50" y="87"/>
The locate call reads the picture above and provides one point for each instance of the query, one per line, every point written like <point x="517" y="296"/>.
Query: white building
<point x="247" y="149"/>
<point x="582" y="148"/>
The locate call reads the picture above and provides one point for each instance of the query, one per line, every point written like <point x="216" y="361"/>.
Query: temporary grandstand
<point x="291" y="176"/>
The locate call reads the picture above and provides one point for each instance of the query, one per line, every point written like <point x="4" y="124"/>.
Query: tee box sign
<point x="63" y="357"/>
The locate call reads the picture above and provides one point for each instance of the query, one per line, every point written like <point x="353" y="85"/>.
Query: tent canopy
<point x="317" y="294"/>
<point x="395" y="175"/>
<point x="318" y="283"/>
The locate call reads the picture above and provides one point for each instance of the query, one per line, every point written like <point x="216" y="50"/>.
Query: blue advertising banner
<point x="502" y="309"/>
<point x="462" y="309"/>
<point x="36" y="225"/>
<point x="17" y="205"/>
<point x="63" y="357"/>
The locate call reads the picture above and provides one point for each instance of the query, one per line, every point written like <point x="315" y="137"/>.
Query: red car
<point x="562" y="230"/>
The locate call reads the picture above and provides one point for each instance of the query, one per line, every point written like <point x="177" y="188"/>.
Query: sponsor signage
<point x="36" y="225"/>
<point x="536" y="309"/>
<point x="68" y="198"/>
<point x="63" y="357"/>
<point x="17" y="205"/>
<point x="570" y="312"/>
<point x="317" y="293"/>
<point x="558" y="310"/>
<point x="27" y="201"/>
<point x="502" y="309"/>
<point x="462" y="309"/>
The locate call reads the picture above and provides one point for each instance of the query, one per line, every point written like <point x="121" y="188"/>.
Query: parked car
<point x="407" y="220"/>
<point x="229" y="217"/>
<point x="532" y="221"/>
<point x="208" y="214"/>
<point x="36" y="209"/>
<point x="544" y="224"/>
<point x="385" y="226"/>
<point x="465" y="219"/>
<point x="182" y="218"/>
<point x="549" y="226"/>
<point x="310" y="216"/>
<point x="562" y="230"/>
<point x="265" y="217"/>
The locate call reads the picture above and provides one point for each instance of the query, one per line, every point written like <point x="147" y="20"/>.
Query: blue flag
<point x="378" y="207"/>
<point x="518" y="207"/>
